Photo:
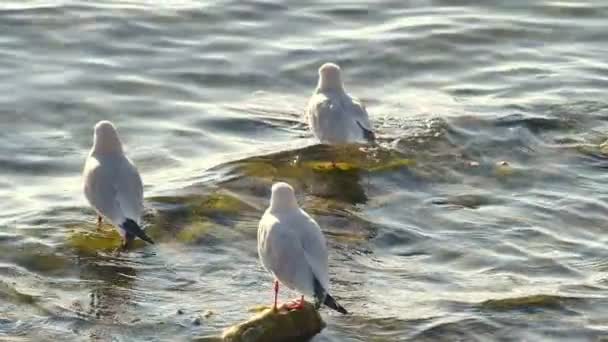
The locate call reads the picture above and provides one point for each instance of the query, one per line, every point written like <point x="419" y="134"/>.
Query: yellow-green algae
<point x="194" y="231"/>
<point x="350" y="237"/>
<point x="7" y="291"/>
<point x="324" y="166"/>
<point x="40" y="258"/>
<point x="187" y="224"/>
<point x="324" y="171"/>
<point x="189" y="218"/>
<point x="503" y="169"/>
<point x="89" y="239"/>
<point x="393" y="165"/>
<point x="198" y="216"/>
<point x="471" y="201"/>
<point x="526" y="302"/>
<point x="604" y="147"/>
<point x="208" y="205"/>
<point x="319" y="158"/>
<point x="282" y="325"/>
<point x="324" y="206"/>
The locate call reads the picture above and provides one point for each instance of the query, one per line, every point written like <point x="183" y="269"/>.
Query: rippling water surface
<point x="481" y="215"/>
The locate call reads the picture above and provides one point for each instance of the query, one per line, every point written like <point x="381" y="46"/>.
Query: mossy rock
<point x="208" y="205"/>
<point x="471" y="201"/>
<point x="524" y="303"/>
<point x="93" y="240"/>
<point x="220" y="204"/>
<point x="604" y="147"/>
<point x="297" y="164"/>
<point x="503" y="169"/>
<point x="191" y="218"/>
<point x="90" y="241"/>
<point x="324" y="166"/>
<point x="392" y="165"/>
<point x="10" y="293"/>
<point x="338" y="172"/>
<point x="194" y="231"/>
<point x="37" y="258"/>
<point x="282" y="325"/>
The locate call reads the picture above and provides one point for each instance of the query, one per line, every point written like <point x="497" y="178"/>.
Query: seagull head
<point x="330" y="77"/>
<point x="106" y="139"/>
<point x="283" y="196"/>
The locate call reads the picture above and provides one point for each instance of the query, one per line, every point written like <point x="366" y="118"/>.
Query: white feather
<point x="334" y="116"/>
<point x="291" y="246"/>
<point x="112" y="184"/>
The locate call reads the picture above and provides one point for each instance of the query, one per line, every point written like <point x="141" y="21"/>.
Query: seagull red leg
<point x="301" y="303"/>
<point x="276" y="294"/>
<point x="99" y="221"/>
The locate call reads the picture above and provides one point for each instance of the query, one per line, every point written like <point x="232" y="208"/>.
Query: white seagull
<point x="112" y="184"/>
<point x="334" y="116"/>
<point x="292" y="247"/>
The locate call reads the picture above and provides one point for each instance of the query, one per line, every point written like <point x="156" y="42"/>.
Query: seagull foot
<point x="296" y="304"/>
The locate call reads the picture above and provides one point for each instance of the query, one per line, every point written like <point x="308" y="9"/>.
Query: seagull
<point x="334" y="116"/>
<point x="292" y="248"/>
<point x="112" y="184"/>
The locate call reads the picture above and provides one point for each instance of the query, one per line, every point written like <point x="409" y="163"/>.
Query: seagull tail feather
<point x="133" y="228"/>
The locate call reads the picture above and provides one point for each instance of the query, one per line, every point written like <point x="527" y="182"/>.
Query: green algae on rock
<point x="504" y="169"/>
<point x="9" y="291"/>
<point x="217" y="203"/>
<point x="604" y="147"/>
<point x="188" y="219"/>
<point x="324" y="166"/>
<point x="282" y="325"/>
<point x="194" y="231"/>
<point x="470" y="201"/>
<point x="295" y="164"/>
<point x="522" y="303"/>
<point x="93" y="240"/>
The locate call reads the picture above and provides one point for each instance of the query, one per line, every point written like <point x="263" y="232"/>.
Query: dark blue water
<point x="481" y="215"/>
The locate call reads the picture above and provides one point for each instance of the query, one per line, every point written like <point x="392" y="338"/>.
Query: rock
<point x="503" y="169"/>
<point x="282" y="325"/>
<point x="539" y="301"/>
<point x="604" y="147"/>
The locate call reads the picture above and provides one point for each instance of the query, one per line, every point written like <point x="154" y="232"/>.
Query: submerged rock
<point x="503" y="169"/>
<point x="195" y="218"/>
<point x="524" y="303"/>
<point x="89" y="239"/>
<point x="604" y="147"/>
<point x="337" y="172"/>
<point x="471" y="201"/>
<point x="209" y="205"/>
<point x="283" y="325"/>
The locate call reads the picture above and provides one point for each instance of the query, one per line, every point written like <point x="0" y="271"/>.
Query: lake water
<point x="480" y="216"/>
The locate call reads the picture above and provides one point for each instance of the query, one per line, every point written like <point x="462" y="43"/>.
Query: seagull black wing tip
<point x="323" y="297"/>
<point x="367" y="133"/>
<point x="133" y="228"/>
